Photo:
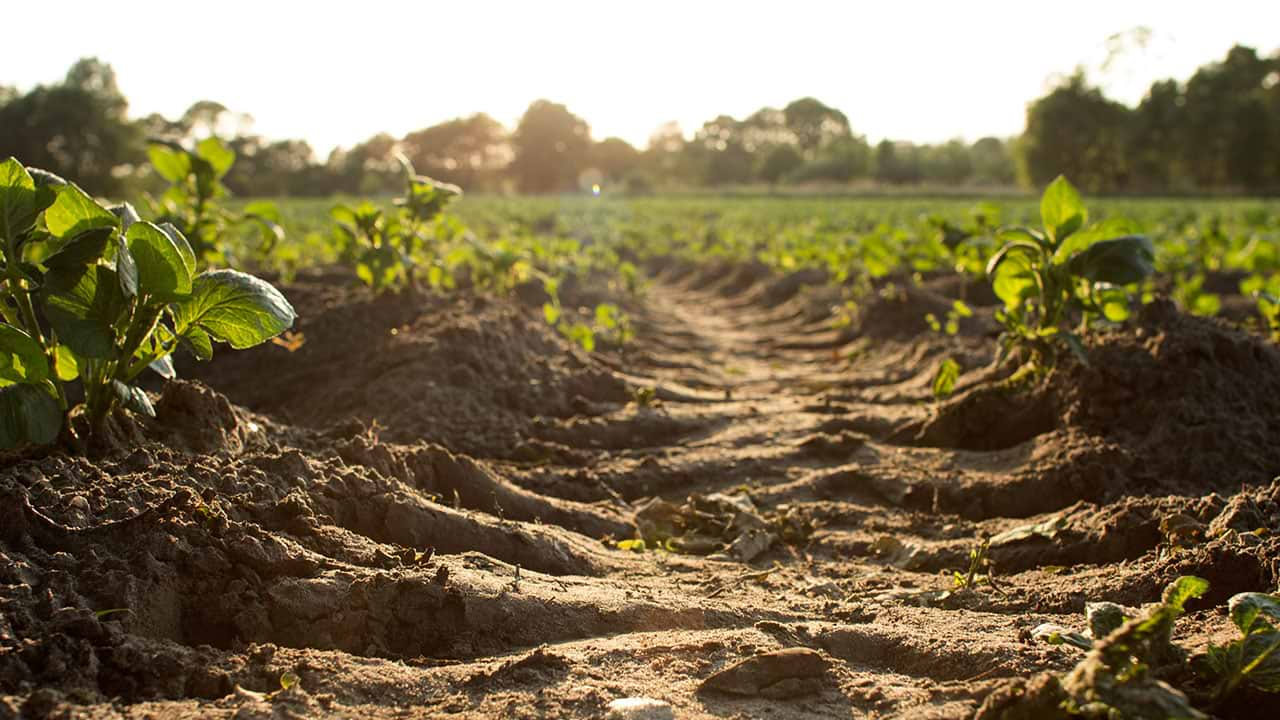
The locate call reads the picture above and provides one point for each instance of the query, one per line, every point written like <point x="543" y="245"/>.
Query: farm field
<point x="748" y="457"/>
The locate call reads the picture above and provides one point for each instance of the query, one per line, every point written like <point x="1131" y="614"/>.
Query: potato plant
<point x="1057" y="280"/>
<point x="118" y="295"/>
<point x="193" y="202"/>
<point x="384" y="246"/>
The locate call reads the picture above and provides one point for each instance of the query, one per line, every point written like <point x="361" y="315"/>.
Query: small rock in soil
<point x="639" y="708"/>
<point x="781" y="674"/>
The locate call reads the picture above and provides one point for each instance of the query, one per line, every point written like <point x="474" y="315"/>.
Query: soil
<point x="415" y="512"/>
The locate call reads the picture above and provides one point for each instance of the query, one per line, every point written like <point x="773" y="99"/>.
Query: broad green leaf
<point x="28" y="414"/>
<point x="1112" y="227"/>
<point x="1013" y="276"/>
<point x="74" y="212"/>
<point x="82" y="305"/>
<point x="172" y="164"/>
<point x="86" y="249"/>
<point x="1119" y="261"/>
<point x="184" y="247"/>
<point x="218" y="154"/>
<point x="551" y="313"/>
<point x="1250" y="611"/>
<point x="19" y="206"/>
<point x="22" y="360"/>
<point x="133" y="398"/>
<point x="1061" y="209"/>
<point x="164" y="273"/>
<point x="233" y="307"/>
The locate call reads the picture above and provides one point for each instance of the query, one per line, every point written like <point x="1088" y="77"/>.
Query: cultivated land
<point x="428" y="503"/>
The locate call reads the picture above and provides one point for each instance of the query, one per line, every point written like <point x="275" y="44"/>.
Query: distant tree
<point x="614" y="158"/>
<point x="469" y="152"/>
<point x="993" y="162"/>
<point x="1227" y="140"/>
<point x="78" y="128"/>
<point x="664" y="160"/>
<point x="1076" y="131"/>
<point x="551" y="146"/>
<point x="369" y="168"/>
<point x="778" y="163"/>
<point x="814" y="124"/>
<point x="1156" y="129"/>
<point x="949" y="163"/>
<point x="897" y="163"/>
<point x="719" y="150"/>
<point x="274" y="168"/>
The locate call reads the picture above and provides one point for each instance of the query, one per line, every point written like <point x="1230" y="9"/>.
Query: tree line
<point x="1217" y="131"/>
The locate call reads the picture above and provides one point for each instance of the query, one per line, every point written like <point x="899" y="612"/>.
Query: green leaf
<point x="551" y="313"/>
<point x="66" y="365"/>
<point x="164" y="270"/>
<point x="87" y="248"/>
<point x="218" y="154"/>
<point x="263" y="210"/>
<point x="944" y="381"/>
<point x="184" y="247"/>
<point x="233" y="307"/>
<point x="1061" y="209"/>
<point x="74" y="212"/>
<point x="1250" y="611"/>
<point x="22" y="360"/>
<point x="172" y="164"/>
<point x="28" y="414"/>
<point x="200" y="343"/>
<point x="82" y="305"/>
<point x="1119" y="261"/>
<point x="1183" y="589"/>
<point x="133" y="398"/>
<point x="19" y="203"/>
<point x="1013" y="276"/>
<point x="1112" y="227"/>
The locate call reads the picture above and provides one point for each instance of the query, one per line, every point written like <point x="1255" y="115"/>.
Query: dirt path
<point x="818" y="496"/>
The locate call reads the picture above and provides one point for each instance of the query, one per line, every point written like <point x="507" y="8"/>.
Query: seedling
<point x="1065" y="274"/>
<point x="118" y="294"/>
<point x="193" y="201"/>
<point x="383" y="246"/>
<point x="1254" y="658"/>
<point x="944" y="381"/>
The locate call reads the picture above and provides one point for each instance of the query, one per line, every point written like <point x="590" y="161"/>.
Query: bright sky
<point x="335" y="73"/>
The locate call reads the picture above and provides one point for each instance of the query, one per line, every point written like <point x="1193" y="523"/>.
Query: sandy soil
<point x="416" y="513"/>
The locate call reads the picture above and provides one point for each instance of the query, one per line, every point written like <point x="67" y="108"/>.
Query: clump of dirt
<point x="1194" y="403"/>
<point x="467" y="372"/>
